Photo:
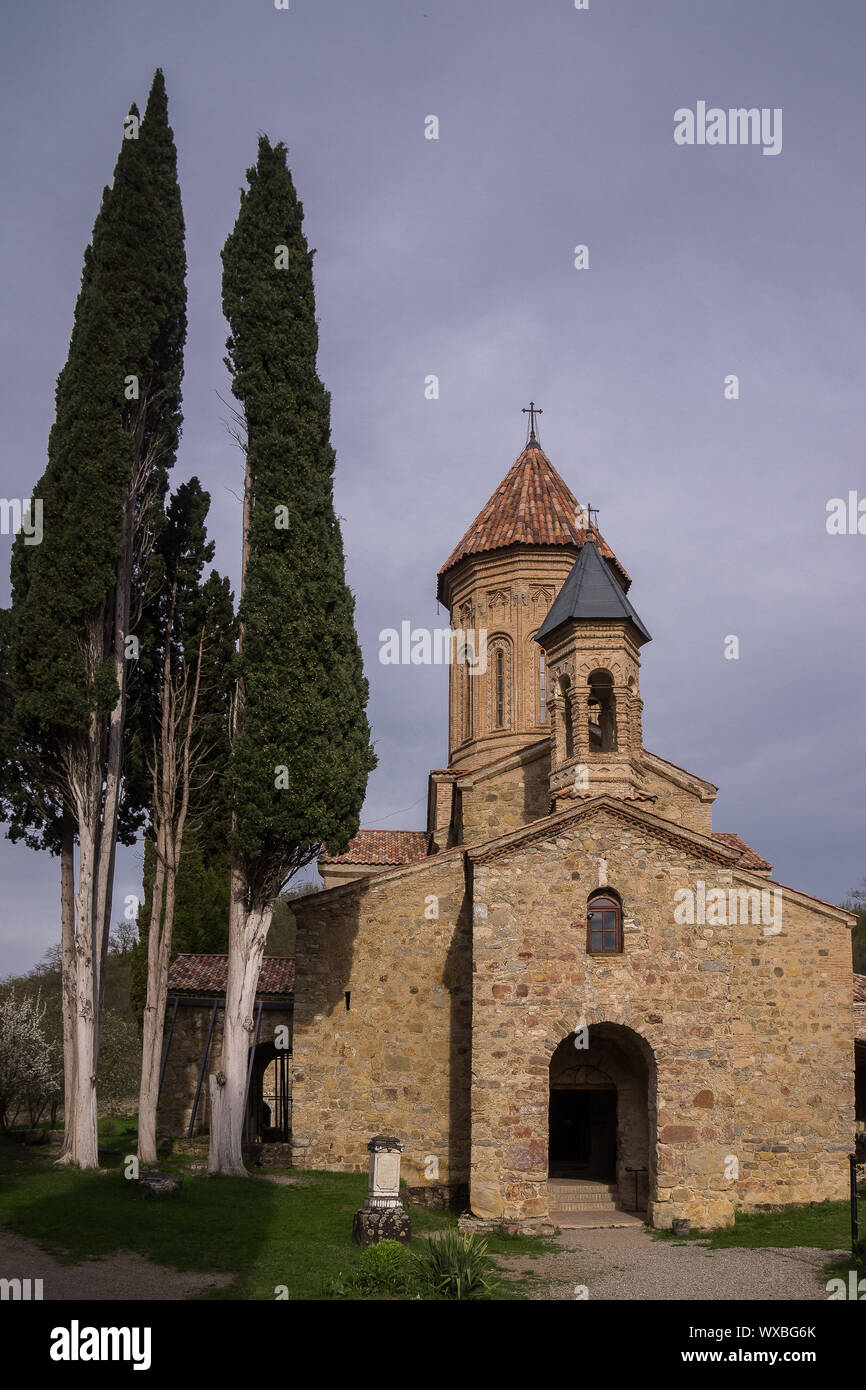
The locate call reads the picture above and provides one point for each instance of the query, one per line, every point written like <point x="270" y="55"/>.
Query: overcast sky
<point x="455" y="257"/>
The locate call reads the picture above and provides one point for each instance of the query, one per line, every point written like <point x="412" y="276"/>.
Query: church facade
<point x="569" y="974"/>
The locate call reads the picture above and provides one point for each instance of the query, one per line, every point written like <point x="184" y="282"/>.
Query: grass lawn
<point x="263" y="1234"/>
<point x="823" y="1225"/>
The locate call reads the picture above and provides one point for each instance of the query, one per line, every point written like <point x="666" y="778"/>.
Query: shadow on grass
<point x="267" y="1236"/>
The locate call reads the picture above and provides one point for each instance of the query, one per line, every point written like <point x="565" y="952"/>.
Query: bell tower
<point x="498" y="585"/>
<point x="591" y="639"/>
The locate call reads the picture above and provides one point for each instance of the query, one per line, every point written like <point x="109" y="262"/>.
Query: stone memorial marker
<point x="382" y="1216"/>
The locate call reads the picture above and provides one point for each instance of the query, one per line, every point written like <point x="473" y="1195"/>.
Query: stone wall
<point x="396" y="1060"/>
<point x="793" y="1057"/>
<point x="673" y="993"/>
<point x="498" y="800"/>
<point x="681" y="804"/>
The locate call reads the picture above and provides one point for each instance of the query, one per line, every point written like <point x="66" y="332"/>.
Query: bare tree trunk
<point x="172" y="769"/>
<point x="247" y="935"/>
<point x="85" y="1143"/>
<point x="227" y="1087"/>
<point x="104" y="879"/>
<point x="67" y="979"/>
<point x="151" y="1049"/>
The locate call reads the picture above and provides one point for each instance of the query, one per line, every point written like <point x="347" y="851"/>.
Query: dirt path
<point x="629" y="1264"/>
<point x="118" y="1277"/>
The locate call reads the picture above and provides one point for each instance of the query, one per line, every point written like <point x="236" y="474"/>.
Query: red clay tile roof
<point x="531" y="506"/>
<point x="749" y="858"/>
<point x="191" y="974"/>
<point x="860" y="989"/>
<point x="381" y="847"/>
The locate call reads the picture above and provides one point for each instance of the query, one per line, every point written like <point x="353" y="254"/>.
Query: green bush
<point x="386" y="1270"/>
<point x="456" y="1266"/>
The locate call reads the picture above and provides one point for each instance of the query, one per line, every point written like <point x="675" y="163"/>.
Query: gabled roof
<point x="531" y="506"/>
<point x="590" y="592"/>
<point x="381" y="847"/>
<point x="194" y="974"/>
<point x="749" y="858"/>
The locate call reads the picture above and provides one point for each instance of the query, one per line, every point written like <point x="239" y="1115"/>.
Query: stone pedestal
<point x="392" y="1223"/>
<point x="382" y="1216"/>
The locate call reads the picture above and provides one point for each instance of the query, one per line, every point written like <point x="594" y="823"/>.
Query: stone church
<point x="569" y="976"/>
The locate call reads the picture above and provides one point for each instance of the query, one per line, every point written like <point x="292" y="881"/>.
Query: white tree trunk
<point x="154" y="1009"/>
<point x="105" y="851"/>
<point x="67" y="980"/>
<point x="85" y="1143"/>
<point x="248" y="931"/>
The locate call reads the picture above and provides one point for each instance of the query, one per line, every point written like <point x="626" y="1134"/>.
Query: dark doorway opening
<point x="269" y="1100"/>
<point x="582" y="1142"/>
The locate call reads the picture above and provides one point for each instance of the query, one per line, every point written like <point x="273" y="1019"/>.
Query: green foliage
<point x="119" y="1068"/>
<point x="130" y="321"/>
<point x="190" y="621"/>
<point x="301" y="663"/>
<point x="856" y="903"/>
<point x="201" y="913"/>
<point x="386" y="1270"/>
<point x="457" y="1266"/>
<point x="281" y="935"/>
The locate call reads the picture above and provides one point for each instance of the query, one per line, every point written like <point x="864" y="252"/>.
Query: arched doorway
<point x="269" y="1101"/>
<point x="602" y="1112"/>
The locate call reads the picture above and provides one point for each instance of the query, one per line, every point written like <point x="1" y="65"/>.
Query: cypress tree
<point x="75" y="597"/>
<point x="183" y="728"/>
<point x="301" y="750"/>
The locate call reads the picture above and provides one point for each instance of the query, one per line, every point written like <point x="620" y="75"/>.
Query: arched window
<point x="604" y="923"/>
<point x="499" y="682"/>
<point x="466" y="677"/>
<point x="542" y="689"/>
<point x="499" y="695"/>
<point x="567" y="722"/>
<point x="602" y="712"/>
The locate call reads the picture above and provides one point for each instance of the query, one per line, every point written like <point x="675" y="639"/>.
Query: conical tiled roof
<point x="531" y="506"/>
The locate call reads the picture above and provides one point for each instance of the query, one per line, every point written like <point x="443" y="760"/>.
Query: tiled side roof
<point x="531" y="506"/>
<point x="749" y="858"/>
<point x="860" y="989"/>
<point x="381" y="847"/>
<point x="192" y="974"/>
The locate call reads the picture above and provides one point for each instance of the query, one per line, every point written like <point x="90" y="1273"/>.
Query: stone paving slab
<point x="594" y="1219"/>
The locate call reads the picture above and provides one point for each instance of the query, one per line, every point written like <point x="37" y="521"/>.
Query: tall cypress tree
<point x="183" y="728"/>
<point x="75" y="597"/>
<point x="301" y="750"/>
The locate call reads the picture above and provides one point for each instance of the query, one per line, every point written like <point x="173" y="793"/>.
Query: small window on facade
<point x="542" y="690"/>
<point x="603" y="924"/>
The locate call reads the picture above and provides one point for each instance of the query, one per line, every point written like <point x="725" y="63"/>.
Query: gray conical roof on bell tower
<point x="591" y="592"/>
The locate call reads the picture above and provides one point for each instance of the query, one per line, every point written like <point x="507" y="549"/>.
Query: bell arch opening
<point x="603" y="1118"/>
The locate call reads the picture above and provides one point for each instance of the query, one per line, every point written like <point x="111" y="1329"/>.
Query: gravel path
<point x="121" y="1276"/>
<point x="629" y="1264"/>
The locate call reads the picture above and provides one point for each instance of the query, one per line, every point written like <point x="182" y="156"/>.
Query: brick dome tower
<point x="498" y="585"/>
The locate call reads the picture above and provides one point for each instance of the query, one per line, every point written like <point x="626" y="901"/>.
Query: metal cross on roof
<point x="532" y="410"/>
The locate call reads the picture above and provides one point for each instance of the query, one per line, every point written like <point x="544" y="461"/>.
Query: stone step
<point x="576" y="1204"/>
<point x="591" y="1190"/>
